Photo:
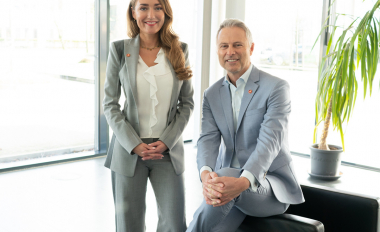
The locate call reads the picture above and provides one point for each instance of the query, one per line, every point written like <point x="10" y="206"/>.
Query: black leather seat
<point x="280" y="223"/>
<point x="340" y="211"/>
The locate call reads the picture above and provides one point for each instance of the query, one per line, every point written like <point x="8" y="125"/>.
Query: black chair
<point x="340" y="211"/>
<point x="280" y="223"/>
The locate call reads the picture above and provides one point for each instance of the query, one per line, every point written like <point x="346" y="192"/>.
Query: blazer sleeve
<point x="125" y="133"/>
<point x="185" y="107"/>
<point x="272" y="132"/>
<point x="209" y="139"/>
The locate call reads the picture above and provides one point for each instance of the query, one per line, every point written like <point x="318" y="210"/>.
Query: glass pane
<point x="361" y="133"/>
<point x="284" y="36"/>
<point x="185" y="29"/>
<point x="47" y="78"/>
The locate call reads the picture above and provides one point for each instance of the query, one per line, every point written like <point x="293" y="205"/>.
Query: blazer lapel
<point x="132" y="48"/>
<point x="225" y="96"/>
<point x="249" y="91"/>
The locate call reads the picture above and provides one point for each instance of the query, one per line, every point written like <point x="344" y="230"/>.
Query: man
<point x="243" y="153"/>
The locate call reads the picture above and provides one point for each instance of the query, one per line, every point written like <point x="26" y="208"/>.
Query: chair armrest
<point x="280" y="223"/>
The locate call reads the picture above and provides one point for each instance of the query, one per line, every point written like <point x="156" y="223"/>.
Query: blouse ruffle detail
<point x="150" y="76"/>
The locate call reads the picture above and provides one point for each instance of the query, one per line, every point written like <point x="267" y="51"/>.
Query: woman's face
<point x="149" y="16"/>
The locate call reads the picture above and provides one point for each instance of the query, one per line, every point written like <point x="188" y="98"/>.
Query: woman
<point x="153" y="70"/>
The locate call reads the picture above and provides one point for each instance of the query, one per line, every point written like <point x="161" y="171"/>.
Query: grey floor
<point x="75" y="197"/>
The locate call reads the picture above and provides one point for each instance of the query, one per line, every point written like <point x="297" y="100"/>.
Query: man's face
<point x="234" y="51"/>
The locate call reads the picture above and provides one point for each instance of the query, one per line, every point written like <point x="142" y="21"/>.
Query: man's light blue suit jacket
<point x="261" y="138"/>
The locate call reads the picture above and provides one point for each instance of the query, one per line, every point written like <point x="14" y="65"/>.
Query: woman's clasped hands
<point x="152" y="151"/>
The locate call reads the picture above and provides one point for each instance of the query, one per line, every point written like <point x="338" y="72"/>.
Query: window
<point x="47" y="78"/>
<point x="284" y="36"/>
<point x="361" y="133"/>
<point x="47" y="84"/>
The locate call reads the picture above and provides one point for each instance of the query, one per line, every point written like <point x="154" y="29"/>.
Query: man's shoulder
<point x="215" y="87"/>
<point x="264" y="76"/>
<point x="268" y="79"/>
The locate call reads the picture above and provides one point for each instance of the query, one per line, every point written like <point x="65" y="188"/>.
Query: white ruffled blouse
<point x="154" y="91"/>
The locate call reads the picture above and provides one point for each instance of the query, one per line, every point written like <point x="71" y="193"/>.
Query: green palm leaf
<point x="357" y="46"/>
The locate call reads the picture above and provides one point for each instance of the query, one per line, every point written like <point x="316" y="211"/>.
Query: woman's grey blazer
<point x="121" y="74"/>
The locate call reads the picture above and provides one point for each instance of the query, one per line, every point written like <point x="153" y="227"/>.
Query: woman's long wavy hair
<point x="168" y="40"/>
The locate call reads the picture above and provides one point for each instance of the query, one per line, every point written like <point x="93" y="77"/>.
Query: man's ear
<point x="251" y="48"/>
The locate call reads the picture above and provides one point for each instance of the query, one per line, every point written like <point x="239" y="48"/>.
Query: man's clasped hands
<point x="218" y="191"/>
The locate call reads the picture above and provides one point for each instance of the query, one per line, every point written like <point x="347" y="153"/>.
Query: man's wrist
<point x="204" y="174"/>
<point x="204" y="168"/>
<point x="244" y="183"/>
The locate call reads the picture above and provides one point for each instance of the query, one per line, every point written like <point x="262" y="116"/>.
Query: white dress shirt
<point x="236" y="97"/>
<point x="154" y="91"/>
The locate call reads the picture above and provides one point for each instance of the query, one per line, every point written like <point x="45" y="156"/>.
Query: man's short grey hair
<point x="236" y="23"/>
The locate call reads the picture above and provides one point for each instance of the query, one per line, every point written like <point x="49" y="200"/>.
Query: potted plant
<point x="356" y="48"/>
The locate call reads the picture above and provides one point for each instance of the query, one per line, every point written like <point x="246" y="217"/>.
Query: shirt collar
<point x="243" y="77"/>
<point x="161" y="66"/>
<point x="159" y="56"/>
